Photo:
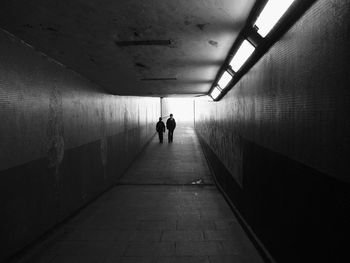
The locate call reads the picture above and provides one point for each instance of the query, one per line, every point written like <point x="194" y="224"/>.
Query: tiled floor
<point x="156" y="215"/>
<point x="180" y="162"/>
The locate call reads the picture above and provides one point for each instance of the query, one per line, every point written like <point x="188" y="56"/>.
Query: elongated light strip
<point x="224" y="80"/>
<point x="243" y="53"/>
<point x="269" y="16"/>
<point x="215" y="93"/>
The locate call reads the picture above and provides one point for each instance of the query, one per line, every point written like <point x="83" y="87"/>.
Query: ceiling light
<point x="224" y="80"/>
<point x="215" y="93"/>
<point x="242" y="54"/>
<point x="269" y="16"/>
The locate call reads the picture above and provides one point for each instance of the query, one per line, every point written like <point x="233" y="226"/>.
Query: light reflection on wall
<point x="181" y="108"/>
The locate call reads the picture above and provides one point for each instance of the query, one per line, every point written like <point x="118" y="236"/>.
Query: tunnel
<point x="256" y="170"/>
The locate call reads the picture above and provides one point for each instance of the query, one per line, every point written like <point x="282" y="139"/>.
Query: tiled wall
<point x="63" y="141"/>
<point x="282" y="133"/>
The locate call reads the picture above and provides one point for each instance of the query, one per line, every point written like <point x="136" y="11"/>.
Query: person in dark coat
<point x="170" y="125"/>
<point x="160" y="128"/>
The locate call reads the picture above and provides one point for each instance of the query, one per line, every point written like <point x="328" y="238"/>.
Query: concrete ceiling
<point x="132" y="47"/>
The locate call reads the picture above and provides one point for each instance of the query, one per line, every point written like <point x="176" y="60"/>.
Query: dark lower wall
<point x="280" y="139"/>
<point x="62" y="141"/>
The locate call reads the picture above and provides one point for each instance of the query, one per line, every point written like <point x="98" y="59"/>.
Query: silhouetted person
<point x="170" y="125"/>
<point x="160" y="127"/>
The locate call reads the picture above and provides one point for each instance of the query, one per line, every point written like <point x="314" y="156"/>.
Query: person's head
<point x="160" y="118"/>
<point x="171" y="115"/>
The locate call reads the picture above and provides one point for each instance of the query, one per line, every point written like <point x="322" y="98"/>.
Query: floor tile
<point x="146" y="236"/>
<point x="131" y="260"/>
<point x="203" y="248"/>
<point x="150" y="249"/>
<point x="182" y="235"/>
<point x="177" y="259"/>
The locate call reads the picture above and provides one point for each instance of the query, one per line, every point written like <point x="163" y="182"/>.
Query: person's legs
<point x="169" y="135"/>
<point x="160" y="134"/>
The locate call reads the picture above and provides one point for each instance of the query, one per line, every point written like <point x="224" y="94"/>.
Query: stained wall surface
<point x="62" y="141"/>
<point x="282" y="135"/>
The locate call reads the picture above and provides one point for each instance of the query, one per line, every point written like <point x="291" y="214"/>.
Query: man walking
<point x="170" y="125"/>
<point x="160" y="128"/>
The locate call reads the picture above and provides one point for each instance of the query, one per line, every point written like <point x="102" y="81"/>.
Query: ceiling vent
<point x="143" y="43"/>
<point x="157" y="79"/>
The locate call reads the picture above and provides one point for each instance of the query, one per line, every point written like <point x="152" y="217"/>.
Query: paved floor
<point x="166" y="209"/>
<point x="180" y="162"/>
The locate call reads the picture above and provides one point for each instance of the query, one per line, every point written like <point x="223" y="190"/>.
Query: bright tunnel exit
<point x="181" y="107"/>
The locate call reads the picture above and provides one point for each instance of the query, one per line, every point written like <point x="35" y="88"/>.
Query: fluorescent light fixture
<point x="215" y="93"/>
<point x="224" y="80"/>
<point x="243" y="53"/>
<point x="269" y="16"/>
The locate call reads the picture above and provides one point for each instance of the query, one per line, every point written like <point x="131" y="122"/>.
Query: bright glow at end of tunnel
<point x="269" y="16"/>
<point x="204" y="98"/>
<point x="215" y="93"/>
<point x="224" y="80"/>
<point x="180" y="107"/>
<point x="242" y="54"/>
